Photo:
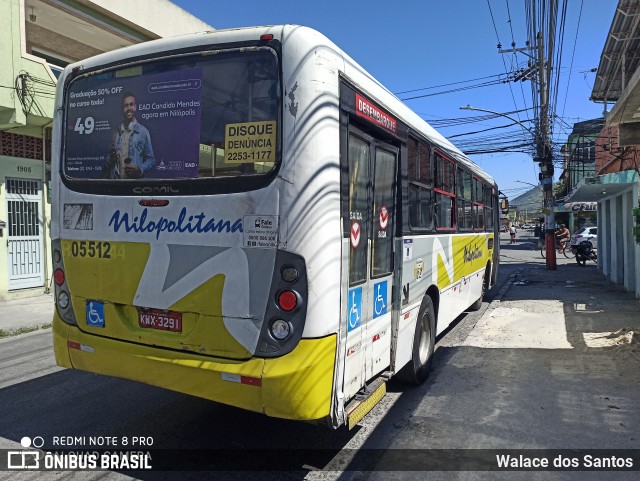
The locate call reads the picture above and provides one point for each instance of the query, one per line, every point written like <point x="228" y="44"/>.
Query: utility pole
<point x="545" y="158"/>
<point x="544" y="154"/>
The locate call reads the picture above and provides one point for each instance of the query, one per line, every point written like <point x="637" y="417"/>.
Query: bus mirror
<point x="504" y="206"/>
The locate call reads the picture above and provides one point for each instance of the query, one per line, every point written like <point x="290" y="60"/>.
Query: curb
<point x="27" y="329"/>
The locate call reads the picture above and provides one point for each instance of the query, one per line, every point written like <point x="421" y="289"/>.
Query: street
<point x="522" y="373"/>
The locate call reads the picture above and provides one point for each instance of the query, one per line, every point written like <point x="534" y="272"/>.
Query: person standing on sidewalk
<point x="512" y="233"/>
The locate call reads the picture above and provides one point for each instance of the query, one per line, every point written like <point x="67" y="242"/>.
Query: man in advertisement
<point x="131" y="153"/>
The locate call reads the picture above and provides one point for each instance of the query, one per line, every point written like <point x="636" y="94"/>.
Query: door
<point x="372" y="171"/>
<point x="24" y="239"/>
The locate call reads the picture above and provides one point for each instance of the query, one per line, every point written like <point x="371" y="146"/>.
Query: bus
<point x="249" y="217"/>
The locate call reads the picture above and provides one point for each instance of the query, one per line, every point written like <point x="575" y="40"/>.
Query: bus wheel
<point x="417" y="369"/>
<point x="485" y="282"/>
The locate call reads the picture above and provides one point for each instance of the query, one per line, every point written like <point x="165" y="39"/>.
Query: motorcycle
<point x="585" y="252"/>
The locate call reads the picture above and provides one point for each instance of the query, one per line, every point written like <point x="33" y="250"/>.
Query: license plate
<point x="162" y="320"/>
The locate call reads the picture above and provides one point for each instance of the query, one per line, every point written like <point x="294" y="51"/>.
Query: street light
<point x="469" y="107"/>
<point x="550" y="241"/>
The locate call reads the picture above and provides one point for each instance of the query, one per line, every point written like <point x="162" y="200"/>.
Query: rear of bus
<point x="175" y="260"/>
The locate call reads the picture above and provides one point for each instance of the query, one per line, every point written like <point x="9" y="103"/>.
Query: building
<point x="38" y="38"/>
<point x="579" y="153"/>
<point x="615" y="184"/>
<point x="579" y="162"/>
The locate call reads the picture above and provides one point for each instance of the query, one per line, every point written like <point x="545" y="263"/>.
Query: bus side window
<point x="488" y="208"/>
<point x="463" y="199"/>
<point x="478" y="204"/>
<point x="420" y="184"/>
<point x="444" y="192"/>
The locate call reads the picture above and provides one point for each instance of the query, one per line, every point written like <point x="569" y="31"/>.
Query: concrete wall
<point x="618" y="252"/>
<point x="610" y="157"/>
<point x="160" y="17"/>
<point x="14" y="61"/>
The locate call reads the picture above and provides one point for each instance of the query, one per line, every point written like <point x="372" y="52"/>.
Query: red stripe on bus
<point x="444" y="192"/>
<point x="252" y="381"/>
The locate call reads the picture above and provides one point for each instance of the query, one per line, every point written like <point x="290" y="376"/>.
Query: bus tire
<point x="485" y="282"/>
<point x="417" y="369"/>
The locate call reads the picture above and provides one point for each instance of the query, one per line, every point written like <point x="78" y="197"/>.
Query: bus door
<point x="372" y="170"/>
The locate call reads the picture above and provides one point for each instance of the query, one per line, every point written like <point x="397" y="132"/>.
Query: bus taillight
<point x="58" y="277"/>
<point x="287" y="300"/>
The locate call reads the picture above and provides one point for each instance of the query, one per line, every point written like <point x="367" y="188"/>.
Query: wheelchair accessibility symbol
<point x="379" y="299"/>
<point x="95" y="314"/>
<point x="355" y="308"/>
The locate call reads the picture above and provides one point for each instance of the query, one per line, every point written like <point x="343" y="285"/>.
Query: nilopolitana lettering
<point x="197" y="223"/>
<point x="471" y="253"/>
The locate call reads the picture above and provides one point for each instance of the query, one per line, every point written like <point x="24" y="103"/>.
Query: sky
<point x="421" y="44"/>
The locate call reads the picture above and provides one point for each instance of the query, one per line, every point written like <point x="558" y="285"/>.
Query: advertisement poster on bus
<point x="142" y="126"/>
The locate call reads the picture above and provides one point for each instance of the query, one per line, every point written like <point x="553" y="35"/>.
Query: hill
<point x="531" y="202"/>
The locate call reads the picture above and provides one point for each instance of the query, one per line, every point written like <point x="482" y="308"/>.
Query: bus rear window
<point x="207" y="115"/>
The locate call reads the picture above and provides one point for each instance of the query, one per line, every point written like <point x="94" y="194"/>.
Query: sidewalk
<point x="26" y="313"/>
<point x="573" y="307"/>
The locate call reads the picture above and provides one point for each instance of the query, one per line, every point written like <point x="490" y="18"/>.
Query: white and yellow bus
<point x="249" y="217"/>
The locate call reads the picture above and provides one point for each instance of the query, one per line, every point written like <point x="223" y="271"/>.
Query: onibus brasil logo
<point x="38" y="460"/>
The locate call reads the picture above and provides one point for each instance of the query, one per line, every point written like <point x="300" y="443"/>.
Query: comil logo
<point x="25" y="459"/>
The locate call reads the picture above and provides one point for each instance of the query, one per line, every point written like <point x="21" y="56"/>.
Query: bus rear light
<point x="280" y="329"/>
<point x="153" y="202"/>
<point x="62" y="297"/>
<point x="63" y="300"/>
<point x="58" y="277"/>
<point x="289" y="274"/>
<point x="266" y="36"/>
<point x="287" y="301"/>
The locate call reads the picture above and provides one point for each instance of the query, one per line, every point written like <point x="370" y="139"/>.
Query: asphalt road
<point x="474" y="398"/>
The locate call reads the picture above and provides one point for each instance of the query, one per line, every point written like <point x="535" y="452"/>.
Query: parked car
<point x="585" y="234"/>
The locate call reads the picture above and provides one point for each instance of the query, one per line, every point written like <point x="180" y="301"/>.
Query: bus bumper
<point x="295" y="386"/>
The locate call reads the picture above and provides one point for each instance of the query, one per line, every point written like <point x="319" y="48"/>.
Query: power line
<point x="446" y="85"/>
<point x="575" y="42"/>
<point x="515" y="104"/>
<point x="469" y="87"/>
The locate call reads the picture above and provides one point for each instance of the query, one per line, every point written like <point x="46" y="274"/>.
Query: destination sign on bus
<point x="367" y="110"/>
